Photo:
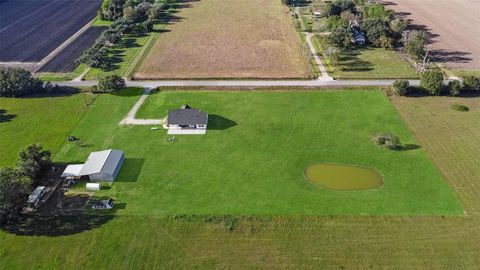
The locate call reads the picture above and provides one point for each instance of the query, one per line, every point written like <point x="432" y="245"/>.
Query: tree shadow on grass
<point x="351" y="62"/>
<point x="55" y="226"/>
<point x="4" y="117"/>
<point x="408" y="147"/>
<point x="129" y="92"/>
<point x="217" y="122"/>
<point x="131" y="169"/>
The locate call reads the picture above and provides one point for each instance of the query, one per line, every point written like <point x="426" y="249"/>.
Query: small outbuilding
<point x="186" y="121"/>
<point x="72" y="171"/>
<point x="103" y="204"/>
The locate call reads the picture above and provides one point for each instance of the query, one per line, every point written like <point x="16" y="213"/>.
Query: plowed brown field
<point x="453" y="25"/>
<point x="228" y="39"/>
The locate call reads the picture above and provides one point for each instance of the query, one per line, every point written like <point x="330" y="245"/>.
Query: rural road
<point x="244" y="83"/>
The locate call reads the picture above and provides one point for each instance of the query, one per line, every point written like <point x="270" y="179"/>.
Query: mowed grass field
<point x="252" y="160"/>
<point x="349" y="242"/>
<point x="45" y="120"/>
<point x="227" y="39"/>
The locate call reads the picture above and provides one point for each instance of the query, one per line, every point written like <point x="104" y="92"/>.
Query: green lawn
<point x="368" y="63"/>
<point x="300" y="242"/>
<point x="466" y="72"/>
<point x="45" y="120"/>
<point x="252" y="159"/>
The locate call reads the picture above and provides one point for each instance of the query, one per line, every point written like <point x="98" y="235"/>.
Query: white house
<point x="358" y="35"/>
<point x="100" y="166"/>
<point x="186" y="121"/>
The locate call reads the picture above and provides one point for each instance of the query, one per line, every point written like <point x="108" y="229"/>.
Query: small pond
<point x="343" y="177"/>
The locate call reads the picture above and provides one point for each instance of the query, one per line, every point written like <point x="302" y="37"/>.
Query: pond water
<point x="343" y="177"/>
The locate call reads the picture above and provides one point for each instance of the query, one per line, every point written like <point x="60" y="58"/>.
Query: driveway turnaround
<point x="130" y="118"/>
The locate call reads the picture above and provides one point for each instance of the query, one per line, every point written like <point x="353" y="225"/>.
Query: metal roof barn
<point x="103" y="165"/>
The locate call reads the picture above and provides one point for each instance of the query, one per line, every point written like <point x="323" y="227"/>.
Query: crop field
<point x="449" y="137"/>
<point x="452" y="25"/>
<point x="45" y="120"/>
<point x="47" y="24"/>
<point x="228" y="39"/>
<point x="280" y="141"/>
<point x="266" y="242"/>
<point x="65" y="60"/>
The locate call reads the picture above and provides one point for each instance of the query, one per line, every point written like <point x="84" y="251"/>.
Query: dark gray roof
<point x="187" y="117"/>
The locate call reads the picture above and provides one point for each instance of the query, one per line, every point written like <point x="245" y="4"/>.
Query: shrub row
<point x="431" y="83"/>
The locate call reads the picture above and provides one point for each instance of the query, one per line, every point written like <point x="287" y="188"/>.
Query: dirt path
<point x="130" y="118"/>
<point x="318" y="61"/>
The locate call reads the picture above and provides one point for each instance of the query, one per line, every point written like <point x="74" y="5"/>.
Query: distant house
<point x="36" y="196"/>
<point x="186" y="121"/>
<point x="100" y="166"/>
<point x="358" y="35"/>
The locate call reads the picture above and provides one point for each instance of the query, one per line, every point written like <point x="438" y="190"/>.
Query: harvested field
<point x="45" y="24"/>
<point x="452" y="26"/>
<point x="65" y="60"/>
<point x="228" y="39"/>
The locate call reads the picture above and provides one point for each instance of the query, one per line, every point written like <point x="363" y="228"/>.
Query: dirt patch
<point x="228" y="39"/>
<point x="452" y="26"/>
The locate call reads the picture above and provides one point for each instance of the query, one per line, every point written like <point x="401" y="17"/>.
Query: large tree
<point x="110" y="83"/>
<point x="340" y="32"/>
<point x="112" y="10"/>
<point x="14" y="188"/>
<point x="432" y="82"/>
<point x="415" y="44"/>
<point x="32" y="160"/>
<point x="376" y="29"/>
<point x="15" y="82"/>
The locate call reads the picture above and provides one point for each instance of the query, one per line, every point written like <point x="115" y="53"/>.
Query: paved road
<point x="244" y="83"/>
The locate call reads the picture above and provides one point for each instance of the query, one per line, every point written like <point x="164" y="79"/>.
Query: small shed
<point x="103" y="165"/>
<point x="103" y="204"/>
<point x="72" y="171"/>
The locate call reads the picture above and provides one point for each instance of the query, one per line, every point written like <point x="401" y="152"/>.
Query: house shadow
<point x="56" y="225"/>
<point x="217" y="122"/>
<point x="4" y="117"/>
<point x="131" y="169"/>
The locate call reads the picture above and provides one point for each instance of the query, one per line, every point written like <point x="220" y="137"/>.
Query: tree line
<point x="431" y="83"/>
<point x="17" y="82"/>
<point x="129" y="17"/>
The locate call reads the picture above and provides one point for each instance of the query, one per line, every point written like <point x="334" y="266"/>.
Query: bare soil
<point x="453" y="27"/>
<point x="228" y="39"/>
